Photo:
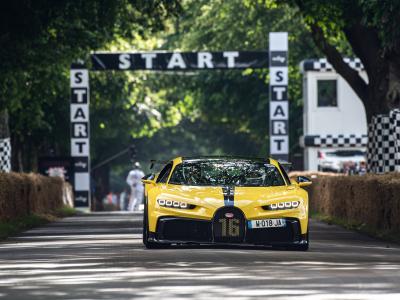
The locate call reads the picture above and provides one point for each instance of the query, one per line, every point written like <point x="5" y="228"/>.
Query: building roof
<point x="322" y="64"/>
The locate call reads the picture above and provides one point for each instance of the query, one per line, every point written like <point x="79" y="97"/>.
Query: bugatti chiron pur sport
<point x="225" y="200"/>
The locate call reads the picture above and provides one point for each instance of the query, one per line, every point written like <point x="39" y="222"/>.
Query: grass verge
<point x="359" y="227"/>
<point x="13" y="227"/>
<point x="66" y="211"/>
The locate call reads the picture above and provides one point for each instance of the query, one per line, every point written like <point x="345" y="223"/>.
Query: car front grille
<point x="181" y="229"/>
<point x="288" y="234"/>
<point x="229" y="225"/>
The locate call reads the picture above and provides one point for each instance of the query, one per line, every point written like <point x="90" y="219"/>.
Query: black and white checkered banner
<point x="179" y="60"/>
<point x="395" y="130"/>
<point x="278" y="93"/>
<point x="384" y="143"/>
<point x="5" y="155"/>
<point x="335" y="141"/>
<point x="322" y="64"/>
<point x="80" y="135"/>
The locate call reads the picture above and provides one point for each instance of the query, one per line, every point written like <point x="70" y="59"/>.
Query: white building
<point x="333" y="116"/>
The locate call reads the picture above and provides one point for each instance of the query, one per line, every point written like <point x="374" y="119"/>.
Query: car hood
<point x="216" y="193"/>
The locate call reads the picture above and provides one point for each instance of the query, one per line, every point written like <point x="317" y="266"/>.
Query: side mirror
<point x="149" y="179"/>
<point x="145" y="181"/>
<point x="303" y="181"/>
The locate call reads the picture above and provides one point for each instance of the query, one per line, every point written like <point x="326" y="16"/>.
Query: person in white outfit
<point x="134" y="180"/>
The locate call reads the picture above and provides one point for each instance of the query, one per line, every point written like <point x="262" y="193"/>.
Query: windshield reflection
<point x="226" y="173"/>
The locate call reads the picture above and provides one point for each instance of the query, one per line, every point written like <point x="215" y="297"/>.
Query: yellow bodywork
<point x="207" y="199"/>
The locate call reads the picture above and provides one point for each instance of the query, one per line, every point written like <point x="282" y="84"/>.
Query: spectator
<point x="124" y="199"/>
<point x="134" y="180"/>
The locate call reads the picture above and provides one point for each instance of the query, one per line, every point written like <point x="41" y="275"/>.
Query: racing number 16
<point x="230" y="227"/>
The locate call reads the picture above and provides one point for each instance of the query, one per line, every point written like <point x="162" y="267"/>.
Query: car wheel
<point x="301" y="247"/>
<point x="146" y="242"/>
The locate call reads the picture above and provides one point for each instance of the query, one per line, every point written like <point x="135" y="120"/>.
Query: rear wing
<point x="154" y="162"/>
<point x="286" y="165"/>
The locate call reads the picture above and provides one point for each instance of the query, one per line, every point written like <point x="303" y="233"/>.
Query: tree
<point x="4" y="130"/>
<point x="40" y="39"/>
<point x="371" y="28"/>
<point x="238" y="100"/>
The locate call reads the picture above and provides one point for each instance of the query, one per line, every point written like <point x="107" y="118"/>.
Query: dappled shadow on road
<point x="65" y="261"/>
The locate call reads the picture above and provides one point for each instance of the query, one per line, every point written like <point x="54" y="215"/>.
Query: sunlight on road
<point x="63" y="260"/>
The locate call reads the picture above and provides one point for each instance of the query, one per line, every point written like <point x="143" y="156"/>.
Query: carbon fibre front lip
<point x="204" y="234"/>
<point x="302" y="240"/>
<point x="152" y="238"/>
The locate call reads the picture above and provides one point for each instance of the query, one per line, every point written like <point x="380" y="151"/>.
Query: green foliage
<point x="125" y="106"/>
<point x="238" y="100"/>
<point x="219" y="112"/>
<point x="66" y="211"/>
<point x="199" y="113"/>
<point x="337" y="15"/>
<point x="369" y="28"/>
<point x="40" y="39"/>
<point x="11" y="228"/>
<point x="384" y="16"/>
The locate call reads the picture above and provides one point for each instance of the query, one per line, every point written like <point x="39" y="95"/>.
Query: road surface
<point x="101" y="256"/>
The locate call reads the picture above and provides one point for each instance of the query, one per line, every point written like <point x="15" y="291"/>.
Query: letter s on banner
<point x="124" y="61"/>
<point x="79" y="78"/>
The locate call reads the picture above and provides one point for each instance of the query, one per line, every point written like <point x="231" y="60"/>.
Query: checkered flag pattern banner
<point x="383" y="153"/>
<point x="395" y="128"/>
<point x="5" y="155"/>
<point x="322" y="64"/>
<point x="335" y="141"/>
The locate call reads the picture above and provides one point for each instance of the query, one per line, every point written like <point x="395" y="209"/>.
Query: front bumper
<point x="195" y="231"/>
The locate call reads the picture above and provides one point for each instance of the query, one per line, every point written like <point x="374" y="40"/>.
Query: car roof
<point x="226" y="158"/>
<point x="233" y="158"/>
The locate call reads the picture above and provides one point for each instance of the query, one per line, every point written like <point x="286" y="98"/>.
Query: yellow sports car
<point x="225" y="200"/>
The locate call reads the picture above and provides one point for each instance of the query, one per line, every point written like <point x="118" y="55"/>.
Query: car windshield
<point x="226" y="172"/>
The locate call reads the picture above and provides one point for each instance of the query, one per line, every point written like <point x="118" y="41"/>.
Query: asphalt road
<point x="101" y="256"/>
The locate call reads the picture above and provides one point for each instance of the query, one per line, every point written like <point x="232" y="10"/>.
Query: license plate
<point x="267" y="223"/>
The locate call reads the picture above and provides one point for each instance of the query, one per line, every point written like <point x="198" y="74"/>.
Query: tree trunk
<point x="17" y="151"/>
<point x="380" y="95"/>
<point x="384" y="96"/>
<point x="102" y="185"/>
<point x="20" y="159"/>
<point x="4" y="129"/>
<point x="383" y="88"/>
<point x="393" y="92"/>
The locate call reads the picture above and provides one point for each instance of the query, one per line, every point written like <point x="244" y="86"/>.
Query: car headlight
<point x="174" y="204"/>
<point x="282" y="205"/>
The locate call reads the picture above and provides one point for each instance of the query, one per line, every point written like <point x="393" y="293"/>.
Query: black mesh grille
<point x="180" y="229"/>
<point x="189" y="230"/>
<point x="229" y="225"/>
<point x="288" y="234"/>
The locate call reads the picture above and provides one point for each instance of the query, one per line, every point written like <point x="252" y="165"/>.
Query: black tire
<point x="301" y="247"/>
<point x="146" y="242"/>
